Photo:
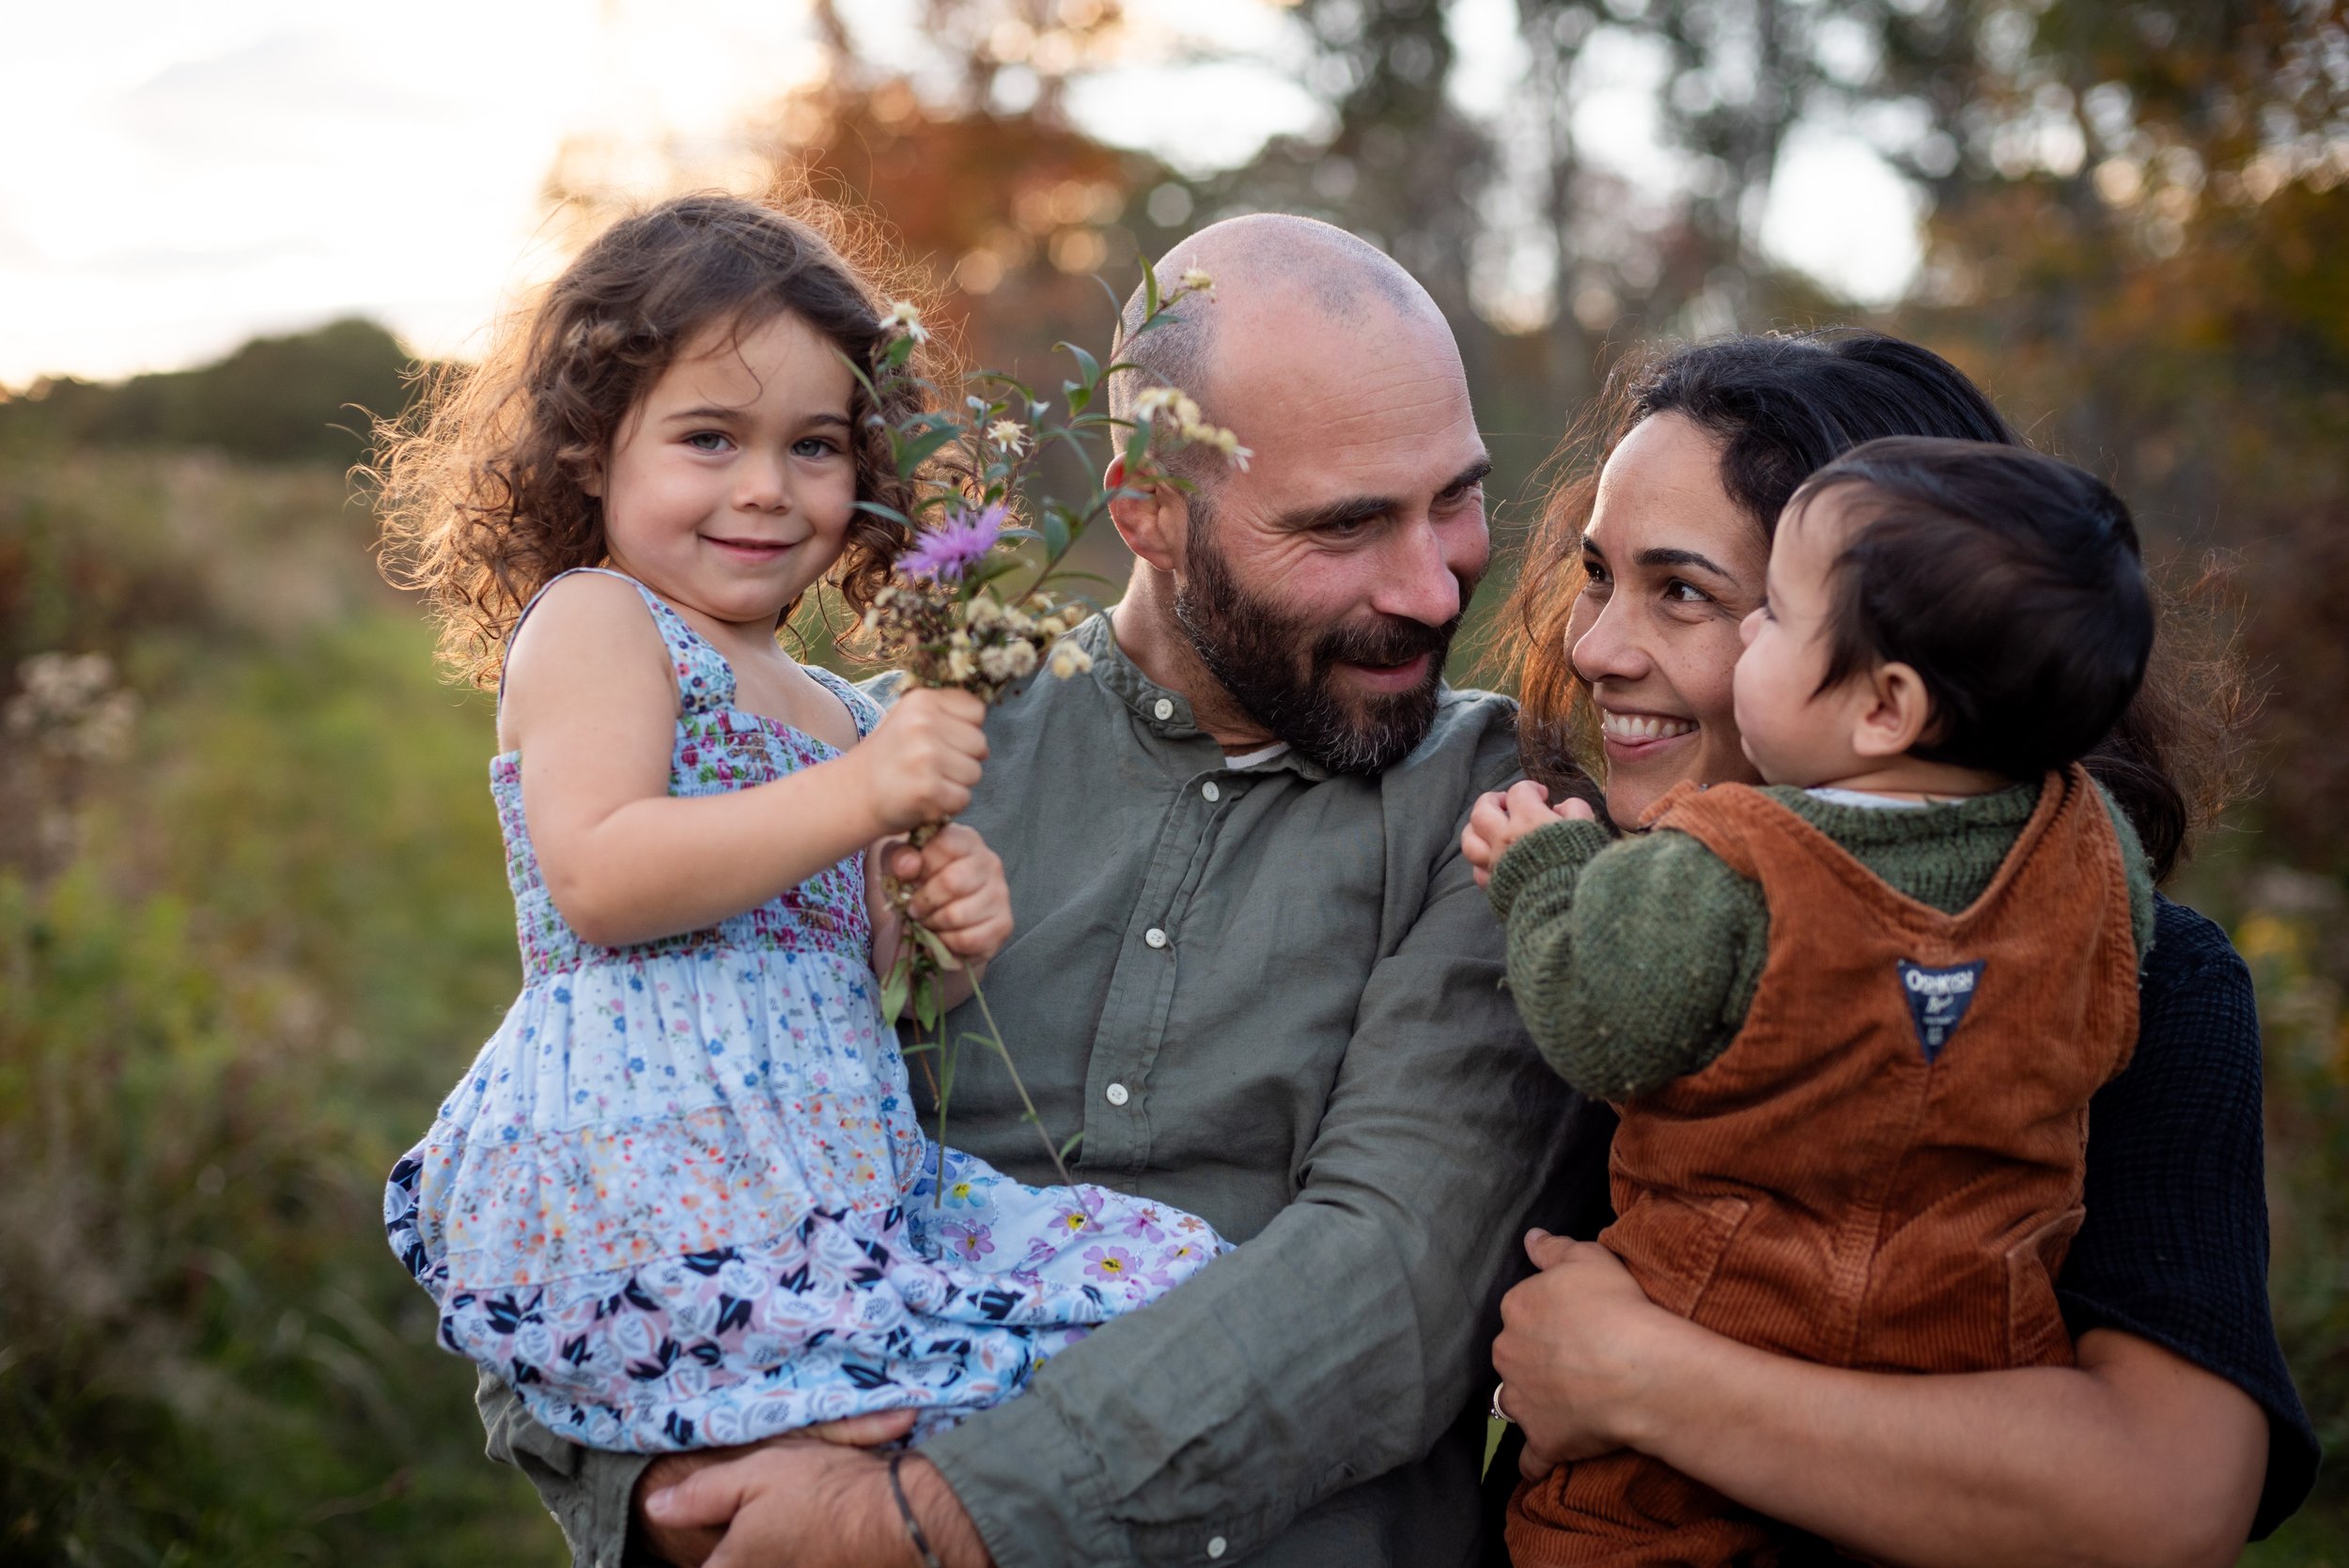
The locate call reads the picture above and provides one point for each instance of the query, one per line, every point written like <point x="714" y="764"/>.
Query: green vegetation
<point x="244" y="945"/>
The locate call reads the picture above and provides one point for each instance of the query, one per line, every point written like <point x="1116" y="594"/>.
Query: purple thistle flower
<point x="947" y="551"/>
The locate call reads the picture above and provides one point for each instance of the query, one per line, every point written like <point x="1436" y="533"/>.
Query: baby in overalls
<point x="1858" y="1136"/>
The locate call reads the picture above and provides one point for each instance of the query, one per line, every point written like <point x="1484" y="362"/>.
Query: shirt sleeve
<point x="1338" y="1343"/>
<point x="1634" y="965"/>
<point x="587" y="1490"/>
<point x="2174" y="1248"/>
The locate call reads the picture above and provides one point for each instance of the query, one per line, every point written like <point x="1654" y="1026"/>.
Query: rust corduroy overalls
<point x="1883" y="1169"/>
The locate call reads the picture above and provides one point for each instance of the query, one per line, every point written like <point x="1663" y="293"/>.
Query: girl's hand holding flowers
<point x="922" y="760"/>
<point x="1499" y="820"/>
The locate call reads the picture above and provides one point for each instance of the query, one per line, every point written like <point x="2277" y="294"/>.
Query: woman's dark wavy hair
<point x="482" y="488"/>
<point x="1784" y="406"/>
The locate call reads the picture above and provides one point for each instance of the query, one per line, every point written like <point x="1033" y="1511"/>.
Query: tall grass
<point x="239" y="961"/>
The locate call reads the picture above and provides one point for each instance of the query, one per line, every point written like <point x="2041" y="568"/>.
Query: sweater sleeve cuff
<point x="1559" y="845"/>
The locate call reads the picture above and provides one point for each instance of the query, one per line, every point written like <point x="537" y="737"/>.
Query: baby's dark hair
<point x="483" y="492"/>
<point x="2012" y="582"/>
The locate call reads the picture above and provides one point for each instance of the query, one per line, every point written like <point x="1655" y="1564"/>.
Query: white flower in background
<point x="1008" y="436"/>
<point x="1198" y="281"/>
<point x="1155" y="401"/>
<point x="1069" y="660"/>
<point x="903" y="316"/>
<point x="70" y="706"/>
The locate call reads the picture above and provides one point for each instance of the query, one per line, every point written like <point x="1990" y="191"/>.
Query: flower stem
<point x="996" y="1039"/>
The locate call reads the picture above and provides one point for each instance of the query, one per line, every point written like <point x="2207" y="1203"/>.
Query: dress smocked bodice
<point x="718" y="747"/>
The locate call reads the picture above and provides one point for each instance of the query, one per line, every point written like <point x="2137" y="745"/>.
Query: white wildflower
<point x="1069" y="660"/>
<point x="986" y="613"/>
<point x="960" y="666"/>
<point x="1197" y="281"/>
<point x="1155" y="401"/>
<point x="1020" y="657"/>
<point x="1008" y="436"/>
<point x="903" y="316"/>
<point x="958" y="640"/>
<point x="995" y="663"/>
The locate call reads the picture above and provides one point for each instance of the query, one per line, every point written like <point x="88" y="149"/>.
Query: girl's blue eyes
<point x="806" y="446"/>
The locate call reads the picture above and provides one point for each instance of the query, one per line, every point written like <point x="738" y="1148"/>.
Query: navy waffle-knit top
<point x="2174" y="1249"/>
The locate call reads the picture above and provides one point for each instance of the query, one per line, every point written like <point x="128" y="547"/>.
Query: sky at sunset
<point x="178" y="178"/>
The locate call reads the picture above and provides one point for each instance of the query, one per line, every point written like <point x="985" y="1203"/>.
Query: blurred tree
<point x="308" y="396"/>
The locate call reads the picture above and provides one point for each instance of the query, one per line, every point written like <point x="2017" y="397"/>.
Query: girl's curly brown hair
<point x="482" y="487"/>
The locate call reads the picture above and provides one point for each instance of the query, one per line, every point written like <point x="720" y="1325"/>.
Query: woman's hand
<point x="959" y="892"/>
<point x="1499" y="820"/>
<point x="921" y="763"/>
<point x="1575" y="1342"/>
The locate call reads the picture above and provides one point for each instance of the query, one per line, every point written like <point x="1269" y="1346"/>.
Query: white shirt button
<point x="1163" y="709"/>
<point x="1155" y="937"/>
<point x="1211" y="792"/>
<point x="1115" y="1094"/>
<point x="1216" y="1547"/>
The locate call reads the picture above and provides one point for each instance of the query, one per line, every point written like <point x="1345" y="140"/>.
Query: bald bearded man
<point x="1253" y="969"/>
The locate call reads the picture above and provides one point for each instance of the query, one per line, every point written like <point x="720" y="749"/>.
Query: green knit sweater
<point x="1633" y="962"/>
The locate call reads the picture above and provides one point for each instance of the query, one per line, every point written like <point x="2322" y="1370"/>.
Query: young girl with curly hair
<point x="681" y="1199"/>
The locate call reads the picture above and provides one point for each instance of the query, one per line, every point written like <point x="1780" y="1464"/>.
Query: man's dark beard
<point x="1256" y="651"/>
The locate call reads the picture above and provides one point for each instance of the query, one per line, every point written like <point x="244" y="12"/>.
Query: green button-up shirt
<point x="1271" y="996"/>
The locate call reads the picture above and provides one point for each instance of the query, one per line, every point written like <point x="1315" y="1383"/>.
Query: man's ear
<point x="1154" y="523"/>
<point x="1897" y="714"/>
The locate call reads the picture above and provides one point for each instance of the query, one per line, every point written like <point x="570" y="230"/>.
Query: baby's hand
<point x="959" y="892"/>
<point x="1499" y="820"/>
<point x="922" y="761"/>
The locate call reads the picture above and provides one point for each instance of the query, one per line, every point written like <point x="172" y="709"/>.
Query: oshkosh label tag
<point x="1937" y="1000"/>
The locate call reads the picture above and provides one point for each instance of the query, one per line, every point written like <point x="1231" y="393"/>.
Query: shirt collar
<point x="1163" y="711"/>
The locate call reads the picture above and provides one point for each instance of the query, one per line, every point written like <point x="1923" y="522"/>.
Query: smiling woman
<point x="2177" y="1433"/>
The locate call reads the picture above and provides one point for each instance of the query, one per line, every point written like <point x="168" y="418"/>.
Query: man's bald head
<point x="1267" y="265"/>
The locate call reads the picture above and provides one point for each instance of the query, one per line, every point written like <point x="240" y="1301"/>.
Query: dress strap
<point x="864" y="709"/>
<point x="704" y="681"/>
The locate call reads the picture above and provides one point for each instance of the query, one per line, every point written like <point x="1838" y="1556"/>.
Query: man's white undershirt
<point x="1261" y="754"/>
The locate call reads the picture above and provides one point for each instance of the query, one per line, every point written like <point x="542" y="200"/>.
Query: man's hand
<point x="802" y="1505"/>
<point x="1499" y="820"/>
<point x="689" y="1547"/>
<point x="959" y="892"/>
<point x="1576" y="1341"/>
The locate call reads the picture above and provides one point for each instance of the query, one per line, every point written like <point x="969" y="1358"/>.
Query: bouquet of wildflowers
<point x="976" y="604"/>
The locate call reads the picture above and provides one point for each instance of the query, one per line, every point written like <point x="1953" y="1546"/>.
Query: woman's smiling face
<point x="1673" y="565"/>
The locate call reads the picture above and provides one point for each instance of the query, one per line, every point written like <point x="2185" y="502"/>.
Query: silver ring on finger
<point x="1498" y="1414"/>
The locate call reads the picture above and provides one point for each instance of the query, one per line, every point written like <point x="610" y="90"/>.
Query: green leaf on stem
<point x="1087" y="366"/>
<point x="940" y="954"/>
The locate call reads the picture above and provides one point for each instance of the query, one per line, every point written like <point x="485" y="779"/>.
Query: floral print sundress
<point x="681" y="1200"/>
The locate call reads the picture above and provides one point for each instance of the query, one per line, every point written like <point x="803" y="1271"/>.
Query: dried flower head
<point x="903" y="317"/>
<point x="1197" y="281"/>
